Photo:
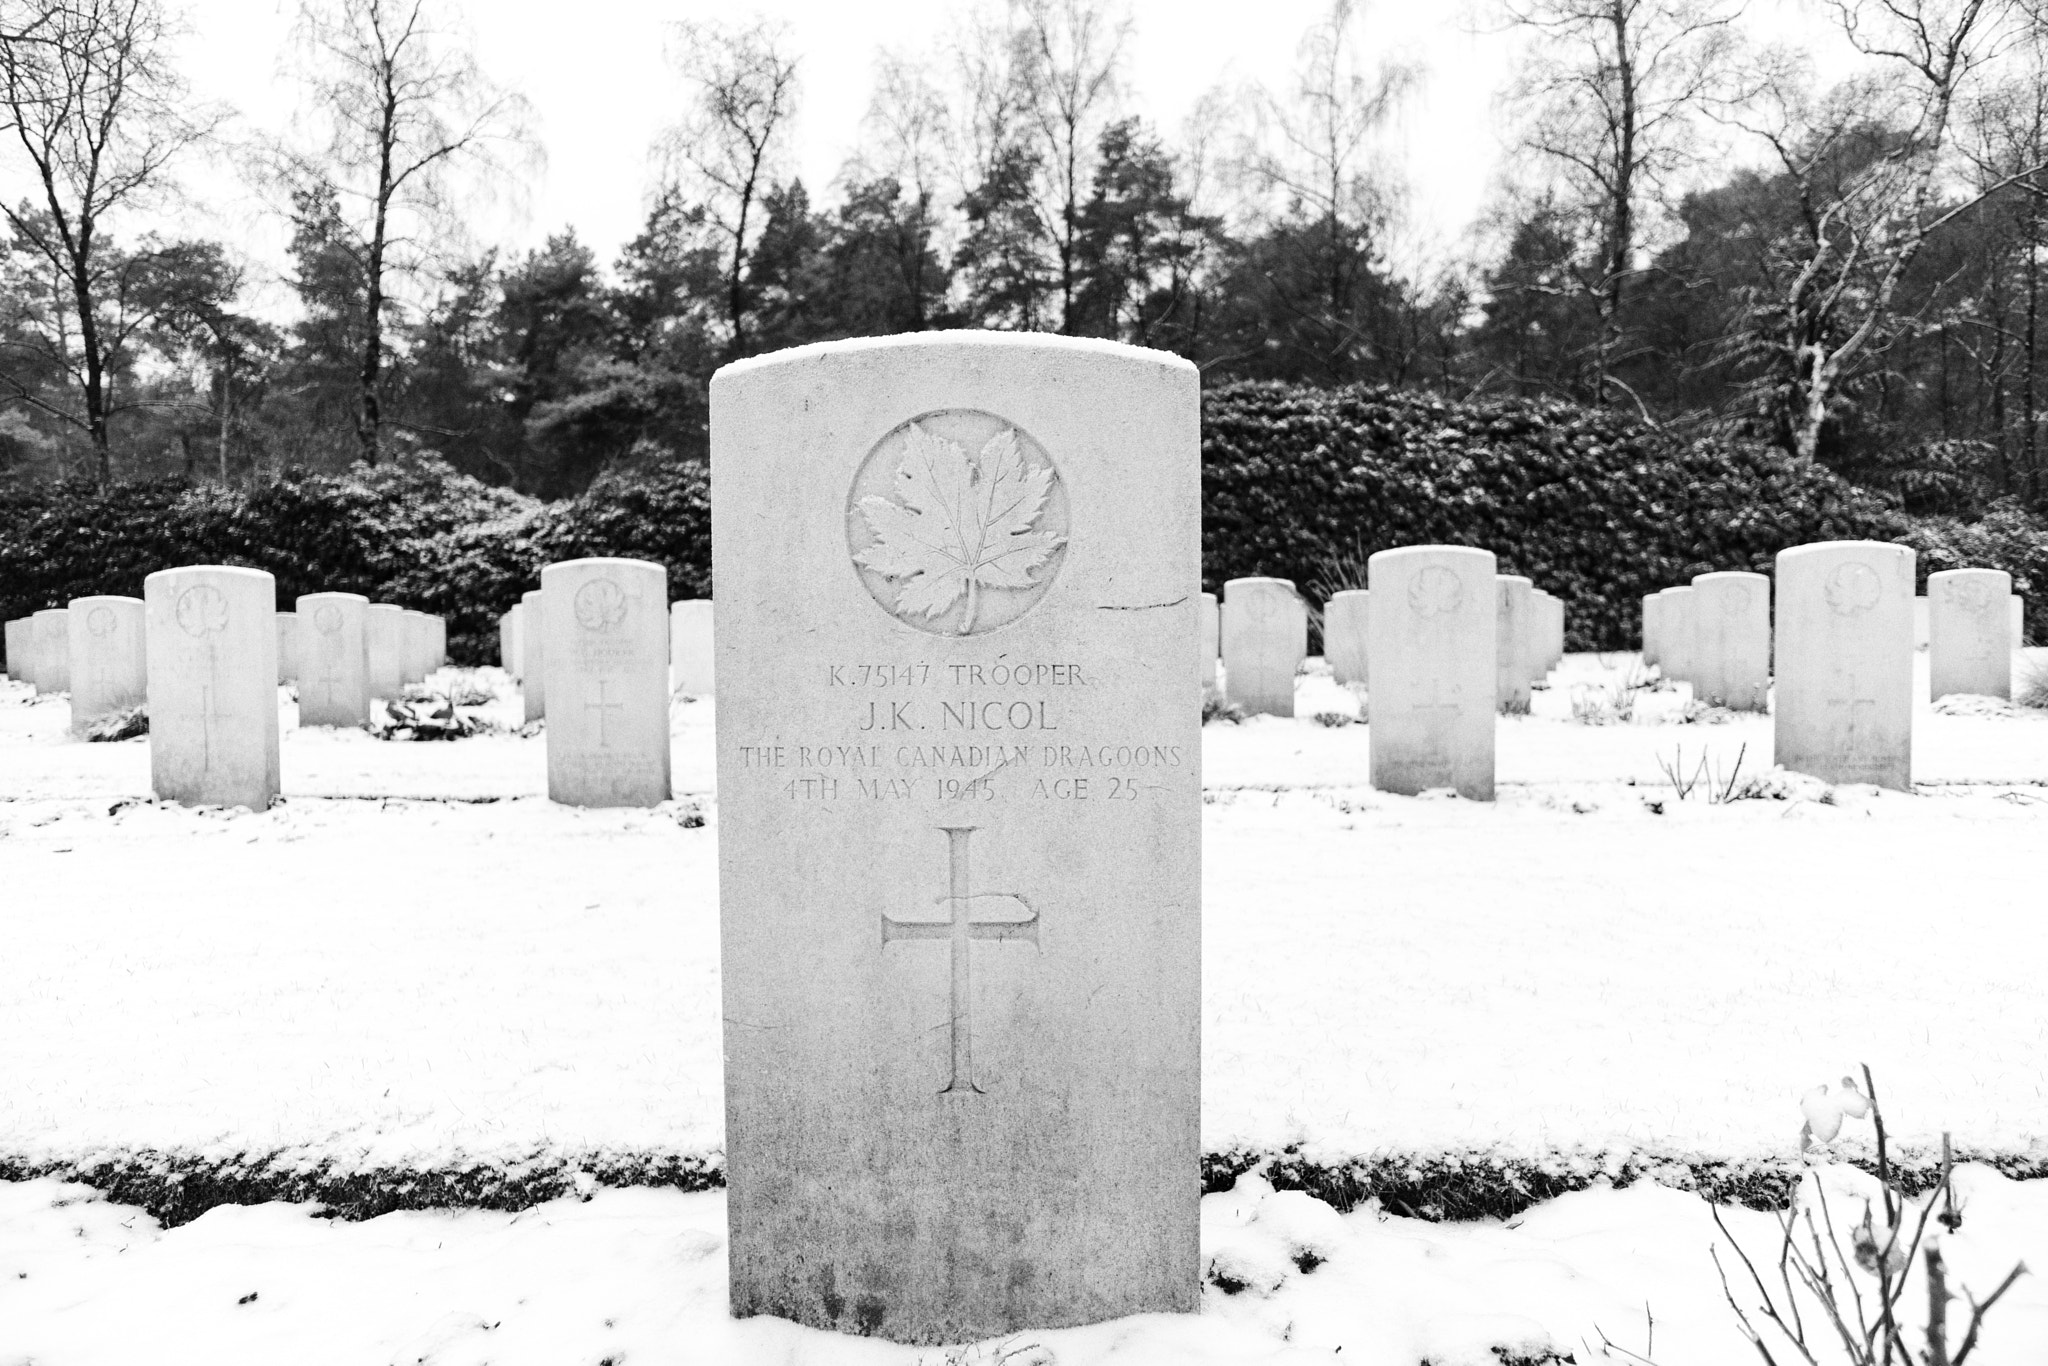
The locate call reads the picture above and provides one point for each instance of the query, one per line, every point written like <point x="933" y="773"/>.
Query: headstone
<point x="1845" y="662"/>
<point x="437" y="640"/>
<point x="1265" y="638"/>
<point x="384" y="649"/>
<point x="108" y="668"/>
<point x="418" y="646"/>
<point x="1731" y="647"/>
<point x="1675" y="633"/>
<point x="287" y="647"/>
<point x="1969" y="633"/>
<point x="334" y="679"/>
<point x="1652" y="606"/>
<point x="51" y="638"/>
<point x="2018" y="610"/>
<point x="516" y="638"/>
<point x="959" y="845"/>
<point x="16" y="643"/>
<point x="532" y="657"/>
<point x="692" y="660"/>
<point x="505" y="641"/>
<point x="1212" y="640"/>
<point x="1920" y="622"/>
<point x="1512" y="641"/>
<point x="1433" y="673"/>
<point x="211" y="634"/>
<point x="1545" y="633"/>
<point x="607" y="643"/>
<point x="1345" y="623"/>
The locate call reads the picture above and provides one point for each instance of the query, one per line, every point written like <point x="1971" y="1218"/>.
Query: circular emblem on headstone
<point x="1262" y="605"/>
<point x="327" y="618"/>
<point x="1735" y="599"/>
<point x="957" y="522"/>
<point x="600" y="605"/>
<point x="202" y="610"/>
<point x="1968" y="595"/>
<point x="1435" y="592"/>
<point x="100" y="621"/>
<point x="1853" y="589"/>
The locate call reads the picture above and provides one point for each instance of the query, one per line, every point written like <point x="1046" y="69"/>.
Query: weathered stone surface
<point x="2018" y="609"/>
<point x="50" y="637"/>
<point x="1731" y="648"/>
<point x="108" y="668"/>
<point x="517" y="639"/>
<point x="16" y="644"/>
<point x="417" y="647"/>
<point x="505" y="657"/>
<point x="533" y="674"/>
<point x="959" y="843"/>
<point x="1652" y="628"/>
<point x="1346" y="620"/>
<point x="1844" y="652"/>
<point x="1212" y="640"/>
<point x="1513" y="638"/>
<point x="1675" y="633"/>
<point x="334" y="678"/>
<point x="384" y="649"/>
<point x="1432" y="670"/>
<point x="1265" y="639"/>
<point x="437" y="642"/>
<point x="693" y="660"/>
<point x="287" y="647"/>
<point x="1969" y="633"/>
<point x="1920" y="622"/>
<point x="607" y="650"/>
<point x="211" y="635"/>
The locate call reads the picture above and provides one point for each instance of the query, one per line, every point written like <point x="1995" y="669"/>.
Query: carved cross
<point x="602" y="707"/>
<point x="1852" y="702"/>
<point x="961" y="932"/>
<point x="208" y="714"/>
<point x="1436" y="702"/>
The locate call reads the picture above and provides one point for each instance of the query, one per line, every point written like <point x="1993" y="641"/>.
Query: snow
<point x="416" y="961"/>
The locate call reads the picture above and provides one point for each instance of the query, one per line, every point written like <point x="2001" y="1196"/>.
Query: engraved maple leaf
<point x="963" y="525"/>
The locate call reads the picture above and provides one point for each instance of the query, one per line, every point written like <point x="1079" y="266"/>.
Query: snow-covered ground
<point x="416" y="961"/>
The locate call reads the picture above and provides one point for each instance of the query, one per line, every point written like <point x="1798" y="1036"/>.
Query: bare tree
<point x="1867" y="165"/>
<point x="403" y="120"/>
<point x="743" y="94"/>
<point x="910" y="140"/>
<point x="89" y="95"/>
<point x="1609" y="95"/>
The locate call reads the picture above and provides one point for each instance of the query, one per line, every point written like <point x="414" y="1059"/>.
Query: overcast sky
<point x="600" y="90"/>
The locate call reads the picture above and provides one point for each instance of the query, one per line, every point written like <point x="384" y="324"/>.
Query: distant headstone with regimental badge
<point x="1731" y="647"/>
<point x="1969" y="633"/>
<point x="384" y="649"/>
<point x="108" y="669"/>
<point x="1265" y="639"/>
<point x="533" y="674"/>
<point x="1844" y="662"/>
<point x="1346" y="621"/>
<point x="334" y="679"/>
<point x="1514" y="640"/>
<point x="692" y="661"/>
<point x="1432" y="671"/>
<point x="1212" y="641"/>
<point x="960" y="818"/>
<point x="607" y="649"/>
<point x="50" y="636"/>
<point x="211" y="637"/>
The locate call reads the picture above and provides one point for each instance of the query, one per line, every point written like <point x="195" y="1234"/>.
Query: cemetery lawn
<point x="416" y="982"/>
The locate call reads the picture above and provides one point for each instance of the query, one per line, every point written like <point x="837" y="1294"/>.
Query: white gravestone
<point x="1844" y="659"/>
<point x="516" y="638"/>
<point x="1346" y="619"/>
<point x="334" y="679"/>
<point x="1212" y="641"/>
<point x="959" y="848"/>
<point x="211" y="634"/>
<point x="1652" y="627"/>
<point x="1265" y="638"/>
<point x="607" y="628"/>
<point x="1544" y="627"/>
<point x="533" y="657"/>
<point x="1731" y="647"/>
<point x="418" y="648"/>
<point x="384" y="649"/>
<point x="17" y="648"/>
<point x="109" y="672"/>
<point x="505" y="641"/>
<point x="1920" y="623"/>
<point x="1433" y="672"/>
<point x="287" y="647"/>
<point x="1969" y="633"/>
<point x="437" y="628"/>
<point x="693" y="661"/>
<point x="2018" y="610"/>
<point x="1675" y="633"/>
<point x="1512" y="642"/>
<point x="51" y="637"/>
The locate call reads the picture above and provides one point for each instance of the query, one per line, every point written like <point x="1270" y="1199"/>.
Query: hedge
<point x="1300" y="483"/>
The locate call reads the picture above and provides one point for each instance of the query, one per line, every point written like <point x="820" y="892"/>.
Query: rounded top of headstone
<point x="1256" y="581"/>
<point x="385" y="607"/>
<point x="1348" y="594"/>
<point x="600" y="564"/>
<point x="1823" y="549"/>
<point x="230" y="572"/>
<point x="1961" y="575"/>
<point x="951" y="343"/>
<point x="1728" y="576"/>
<point x="1512" y="581"/>
<point x="305" y="598"/>
<point x="1970" y="590"/>
<point x="49" y="612"/>
<point x="530" y="595"/>
<point x="105" y="600"/>
<point x="1684" y="590"/>
<point x="1472" y="559"/>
